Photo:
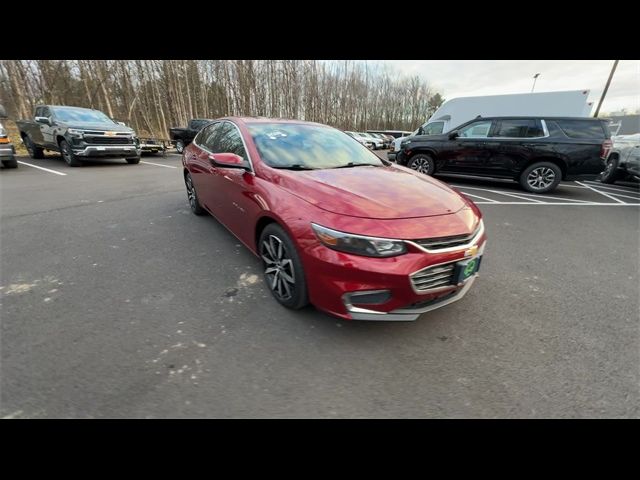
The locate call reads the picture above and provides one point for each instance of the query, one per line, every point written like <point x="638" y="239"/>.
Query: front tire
<point x="611" y="173"/>
<point x="540" y="177"/>
<point x="10" y="163"/>
<point x="35" y="152"/>
<point x="283" y="270"/>
<point x="68" y="155"/>
<point x="133" y="161"/>
<point x="179" y="146"/>
<point x="194" y="202"/>
<point x="422" y="163"/>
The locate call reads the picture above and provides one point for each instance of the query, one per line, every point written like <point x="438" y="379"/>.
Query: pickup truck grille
<point x="433" y="277"/>
<point x="101" y="140"/>
<point x="447" y="242"/>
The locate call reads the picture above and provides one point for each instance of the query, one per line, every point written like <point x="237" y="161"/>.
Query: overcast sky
<point x="461" y="78"/>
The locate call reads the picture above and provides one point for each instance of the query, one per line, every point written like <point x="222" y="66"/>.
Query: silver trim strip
<point x="406" y="314"/>
<point x="87" y="151"/>
<point x="467" y="245"/>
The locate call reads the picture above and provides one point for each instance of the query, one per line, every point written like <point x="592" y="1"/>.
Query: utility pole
<point x="535" y="77"/>
<point x="606" y="87"/>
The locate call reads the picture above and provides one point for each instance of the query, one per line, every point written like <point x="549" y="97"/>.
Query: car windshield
<point x="308" y="147"/>
<point x="83" y="115"/>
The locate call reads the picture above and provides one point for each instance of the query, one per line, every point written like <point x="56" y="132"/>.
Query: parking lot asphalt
<point x="118" y="302"/>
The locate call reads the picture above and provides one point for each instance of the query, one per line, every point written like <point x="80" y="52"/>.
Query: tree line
<point x="154" y="95"/>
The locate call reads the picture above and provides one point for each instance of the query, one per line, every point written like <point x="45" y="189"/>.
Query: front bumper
<point x="338" y="280"/>
<point x="108" y="151"/>
<point x="391" y="156"/>
<point x="7" y="152"/>
<point x="411" y="313"/>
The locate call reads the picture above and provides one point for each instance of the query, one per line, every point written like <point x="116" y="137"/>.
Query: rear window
<point x="582" y="128"/>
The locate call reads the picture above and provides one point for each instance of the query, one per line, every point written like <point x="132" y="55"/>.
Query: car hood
<point x="372" y="192"/>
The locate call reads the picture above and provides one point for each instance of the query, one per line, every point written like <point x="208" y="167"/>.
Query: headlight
<point x="359" y="244"/>
<point x="75" y="131"/>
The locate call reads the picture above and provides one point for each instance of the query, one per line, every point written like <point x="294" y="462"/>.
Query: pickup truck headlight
<point x="75" y="131"/>
<point x="359" y="244"/>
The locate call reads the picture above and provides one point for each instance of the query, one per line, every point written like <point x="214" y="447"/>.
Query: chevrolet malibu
<point x="335" y="226"/>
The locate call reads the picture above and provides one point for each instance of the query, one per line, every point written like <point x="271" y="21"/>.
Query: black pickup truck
<point x="184" y="136"/>
<point x="78" y="133"/>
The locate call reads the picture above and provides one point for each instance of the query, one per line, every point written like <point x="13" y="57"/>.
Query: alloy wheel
<point x="278" y="267"/>
<point x="541" y="177"/>
<point x="191" y="192"/>
<point x="421" y="165"/>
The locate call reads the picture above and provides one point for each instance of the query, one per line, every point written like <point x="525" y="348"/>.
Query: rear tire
<point x="422" y="163"/>
<point x="283" y="272"/>
<point x="179" y="146"/>
<point x="68" y="155"/>
<point x="35" y="152"/>
<point x="540" y="177"/>
<point x="192" y="196"/>
<point x="10" y="163"/>
<point x="611" y="173"/>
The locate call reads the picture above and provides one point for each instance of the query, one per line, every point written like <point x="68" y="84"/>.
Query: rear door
<point x="513" y="142"/>
<point x="197" y="157"/>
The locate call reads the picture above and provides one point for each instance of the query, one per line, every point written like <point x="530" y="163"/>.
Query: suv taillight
<point x="607" y="145"/>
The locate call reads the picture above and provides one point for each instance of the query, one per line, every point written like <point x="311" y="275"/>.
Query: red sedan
<point x="335" y="226"/>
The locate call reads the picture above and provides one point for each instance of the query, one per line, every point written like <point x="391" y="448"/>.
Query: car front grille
<point x="447" y="242"/>
<point x="433" y="277"/>
<point x="107" y="140"/>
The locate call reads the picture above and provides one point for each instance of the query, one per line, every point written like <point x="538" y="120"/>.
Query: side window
<point x="39" y="112"/>
<point x="46" y="112"/>
<point x="230" y="141"/>
<point x="479" y="129"/>
<point x="519" y="128"/>
<point x="205" y="137"/>
<point x="434" y="128"/>
<point x="197" y="124"/>
<point x="582" y="128"/>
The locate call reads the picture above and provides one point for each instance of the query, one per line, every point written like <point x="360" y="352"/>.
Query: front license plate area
<point x="466" y="269"/>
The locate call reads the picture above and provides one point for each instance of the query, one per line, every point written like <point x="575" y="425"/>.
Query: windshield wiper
<point x="293" y="167"/>
<point x="351" y="164"/>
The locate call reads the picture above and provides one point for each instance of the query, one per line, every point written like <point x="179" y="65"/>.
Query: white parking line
<point x="601" y="193"/>
<point x="157" y="164"/>
<point x="499" y="193"/>
<point x="41" y="168"/>
<point x="607" y="187"/>
<point x="466" y="194"/>
<point x="591" y="204"/>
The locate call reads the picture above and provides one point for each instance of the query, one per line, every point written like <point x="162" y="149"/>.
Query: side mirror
<point x="453" y="135"/>
<point x="228" y="160"/>
<point x="43" y="120"/>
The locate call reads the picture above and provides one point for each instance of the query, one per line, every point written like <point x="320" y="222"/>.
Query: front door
<point x="468" y="152"/>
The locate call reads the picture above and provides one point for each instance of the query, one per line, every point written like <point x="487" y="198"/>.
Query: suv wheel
<point x="422" y="163"/>
<point x="610" y="173"/>
<point x="179" y="146"/>
<point x="541" y="177"/>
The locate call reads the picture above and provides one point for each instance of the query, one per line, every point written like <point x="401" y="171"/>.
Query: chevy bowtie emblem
<point x="110" y="134"/>
<point x="471" y="252"/>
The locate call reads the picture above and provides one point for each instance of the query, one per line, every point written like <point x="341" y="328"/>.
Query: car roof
<point x="549" y="117"/>
<point x="251" y="120"/>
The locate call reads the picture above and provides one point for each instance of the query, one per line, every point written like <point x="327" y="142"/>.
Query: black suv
<point x="537" y="152"/>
